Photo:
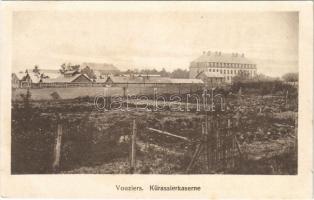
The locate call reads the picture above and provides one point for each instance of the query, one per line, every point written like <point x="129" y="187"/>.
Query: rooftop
<point x="63" y="79"/>
<point x="223" y="58"/>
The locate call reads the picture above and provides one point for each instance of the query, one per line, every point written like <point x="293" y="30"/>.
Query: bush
<point x="55" y="95"/>
<point x="264" y="87"/>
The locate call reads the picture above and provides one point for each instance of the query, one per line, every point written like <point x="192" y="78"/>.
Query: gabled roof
<point x="20" y="75"/>
<point x="34" y="77"/>
<point x="223" y="58"/>
<point x="64" y="79"/>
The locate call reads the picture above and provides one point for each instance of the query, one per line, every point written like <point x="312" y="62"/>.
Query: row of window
<point x="227" y="71"/>
<point x="218" y="64"/>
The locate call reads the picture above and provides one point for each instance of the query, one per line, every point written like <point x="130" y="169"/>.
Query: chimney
<point x="208" y="53"/>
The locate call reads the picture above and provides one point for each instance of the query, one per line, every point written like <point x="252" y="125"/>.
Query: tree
<point x="89" y="72"/>
<point x="68" y="67"/>
<point x="63" y="68"/>
<point x="75" y="67"/>
<point x="164" y="73"/>
<point x="241" y="76"/>
<point x="36" y="69"/>
<point x="263" y="77"/>
<point x="291" y="77"/>
<point x="179" y="73"/>
<point x="154" y="71"/>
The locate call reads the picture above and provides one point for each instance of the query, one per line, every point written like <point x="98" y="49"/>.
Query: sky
<point x="153" y="39"/>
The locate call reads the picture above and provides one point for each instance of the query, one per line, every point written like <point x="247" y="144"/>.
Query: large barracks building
<point x="227" y="65"/>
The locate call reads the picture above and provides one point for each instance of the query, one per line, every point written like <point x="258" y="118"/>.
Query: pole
<point x="133" y="148"/>
<point x="203" y="140"/>
<point x="57" y="150"/>
<point x="229" y="143"/>
<point x="208" y="150"/>
<point x="286" y="97"/>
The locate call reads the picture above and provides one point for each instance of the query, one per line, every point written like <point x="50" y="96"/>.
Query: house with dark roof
<point x="66" y="78"/>
<point x="211" y="79"/>
<point x="227" y="64"/>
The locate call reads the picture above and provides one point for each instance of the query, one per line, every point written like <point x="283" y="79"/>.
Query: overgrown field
<point x="99" y="141"/>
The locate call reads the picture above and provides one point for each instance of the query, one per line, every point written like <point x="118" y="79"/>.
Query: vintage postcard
<point x="157" y="99"/>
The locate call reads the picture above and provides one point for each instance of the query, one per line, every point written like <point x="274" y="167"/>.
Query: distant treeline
<point x="177" y="73"/>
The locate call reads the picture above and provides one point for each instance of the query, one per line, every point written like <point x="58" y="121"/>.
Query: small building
<point x="66" y="80"/>
<point x="211" y="79"/>
<point x="15" y="81"/>
<point x="29" y="79"/>
<point x="24" y="79"/>
<point x="77" y="78"/>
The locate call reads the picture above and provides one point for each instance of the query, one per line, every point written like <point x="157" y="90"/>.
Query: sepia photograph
<point x="161" y="92"/>
<point x="149" y="99"/>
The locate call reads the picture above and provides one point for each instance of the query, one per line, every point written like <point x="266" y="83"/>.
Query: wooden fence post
<point x="57" y="149"/>
<point x="208" y="149"/>
<point x="296" y="135"/>
<point x="133" y="148"/>
<point x="124" y="92"/>
<point x="196" y="154"/>
<point x="203" y="140"/>
<point x="229" y="144"/>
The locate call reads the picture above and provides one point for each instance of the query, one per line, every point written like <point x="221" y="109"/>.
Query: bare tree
<point x="291" y="77"/>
